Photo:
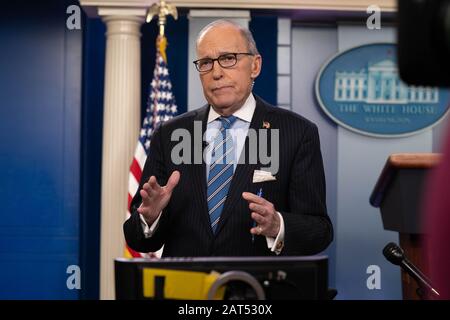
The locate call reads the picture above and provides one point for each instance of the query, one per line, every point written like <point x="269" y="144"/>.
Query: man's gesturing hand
<point x="155" y="198"/>
<point x="265" y="215"/>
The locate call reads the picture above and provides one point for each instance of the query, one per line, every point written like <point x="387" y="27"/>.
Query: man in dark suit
<point x="229" y="203"/>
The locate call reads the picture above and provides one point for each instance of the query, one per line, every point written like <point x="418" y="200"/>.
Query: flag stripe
<point x="133" y="186"/>
<point x="130" y="197"/>
<point x="140" y="155"/>
<point x="135" y="169"/>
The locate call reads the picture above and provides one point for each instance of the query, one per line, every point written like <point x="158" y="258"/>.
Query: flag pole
<point x="161" y="10"/>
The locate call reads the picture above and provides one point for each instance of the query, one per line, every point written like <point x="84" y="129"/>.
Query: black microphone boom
<point x="395" y="255"/>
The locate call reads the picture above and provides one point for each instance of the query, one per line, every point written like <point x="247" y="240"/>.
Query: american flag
<point x="161" y="106"/>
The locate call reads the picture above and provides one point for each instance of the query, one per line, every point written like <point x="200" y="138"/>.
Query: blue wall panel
<point x="91" y="154"/>
<point x="39" y="151"/>
<point x="265" y="32"/>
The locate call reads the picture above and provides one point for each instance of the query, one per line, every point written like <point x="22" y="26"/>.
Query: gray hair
<point x="246" y="33"/>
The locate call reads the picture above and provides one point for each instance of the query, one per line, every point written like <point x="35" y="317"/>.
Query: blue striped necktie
<point x="220" y="171"/>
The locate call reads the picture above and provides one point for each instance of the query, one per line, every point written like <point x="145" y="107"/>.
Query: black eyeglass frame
<point x="218" y="60"/>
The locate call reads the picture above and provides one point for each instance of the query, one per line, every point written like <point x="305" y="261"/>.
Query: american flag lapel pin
<point x="266" y="125"/>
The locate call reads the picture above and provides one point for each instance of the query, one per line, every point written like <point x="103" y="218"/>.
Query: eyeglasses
<point x="226" y="60"/>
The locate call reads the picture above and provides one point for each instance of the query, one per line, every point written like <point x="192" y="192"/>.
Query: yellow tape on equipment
<point x="181" y="284"/>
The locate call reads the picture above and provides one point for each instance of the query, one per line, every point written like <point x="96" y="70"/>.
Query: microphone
<point x="394" y="254"/>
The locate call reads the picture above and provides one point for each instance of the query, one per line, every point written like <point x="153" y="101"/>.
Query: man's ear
<point x="256" y="66"/>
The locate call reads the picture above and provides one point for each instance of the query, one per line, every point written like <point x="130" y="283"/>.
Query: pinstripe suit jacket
<point x="298" y="193"/>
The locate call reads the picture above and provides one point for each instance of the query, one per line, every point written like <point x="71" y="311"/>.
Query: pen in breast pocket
<point x="259" y="194"/>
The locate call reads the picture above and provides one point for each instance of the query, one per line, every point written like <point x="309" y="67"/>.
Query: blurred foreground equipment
<point x="424" y="42"/>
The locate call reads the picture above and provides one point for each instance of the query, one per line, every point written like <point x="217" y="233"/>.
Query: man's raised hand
<point x="155" y="198"/>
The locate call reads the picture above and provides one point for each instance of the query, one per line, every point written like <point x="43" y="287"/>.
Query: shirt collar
<point x="244" y="113"/>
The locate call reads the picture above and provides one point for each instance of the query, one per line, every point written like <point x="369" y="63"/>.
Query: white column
<point x="121" y="122"/>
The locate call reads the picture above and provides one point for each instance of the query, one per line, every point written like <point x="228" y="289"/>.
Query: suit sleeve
<point x="308" y="229"/>
<point x="154" y="166"/>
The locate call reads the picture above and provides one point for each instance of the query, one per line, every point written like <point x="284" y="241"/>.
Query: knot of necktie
<point x="227" y="122"/>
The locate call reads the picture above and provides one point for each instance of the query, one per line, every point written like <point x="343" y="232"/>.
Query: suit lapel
<point x="244" y="171"/>
<point x="199" y="172"/>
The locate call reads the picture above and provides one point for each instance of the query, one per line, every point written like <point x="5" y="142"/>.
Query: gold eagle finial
<point x="162" y="10"/>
